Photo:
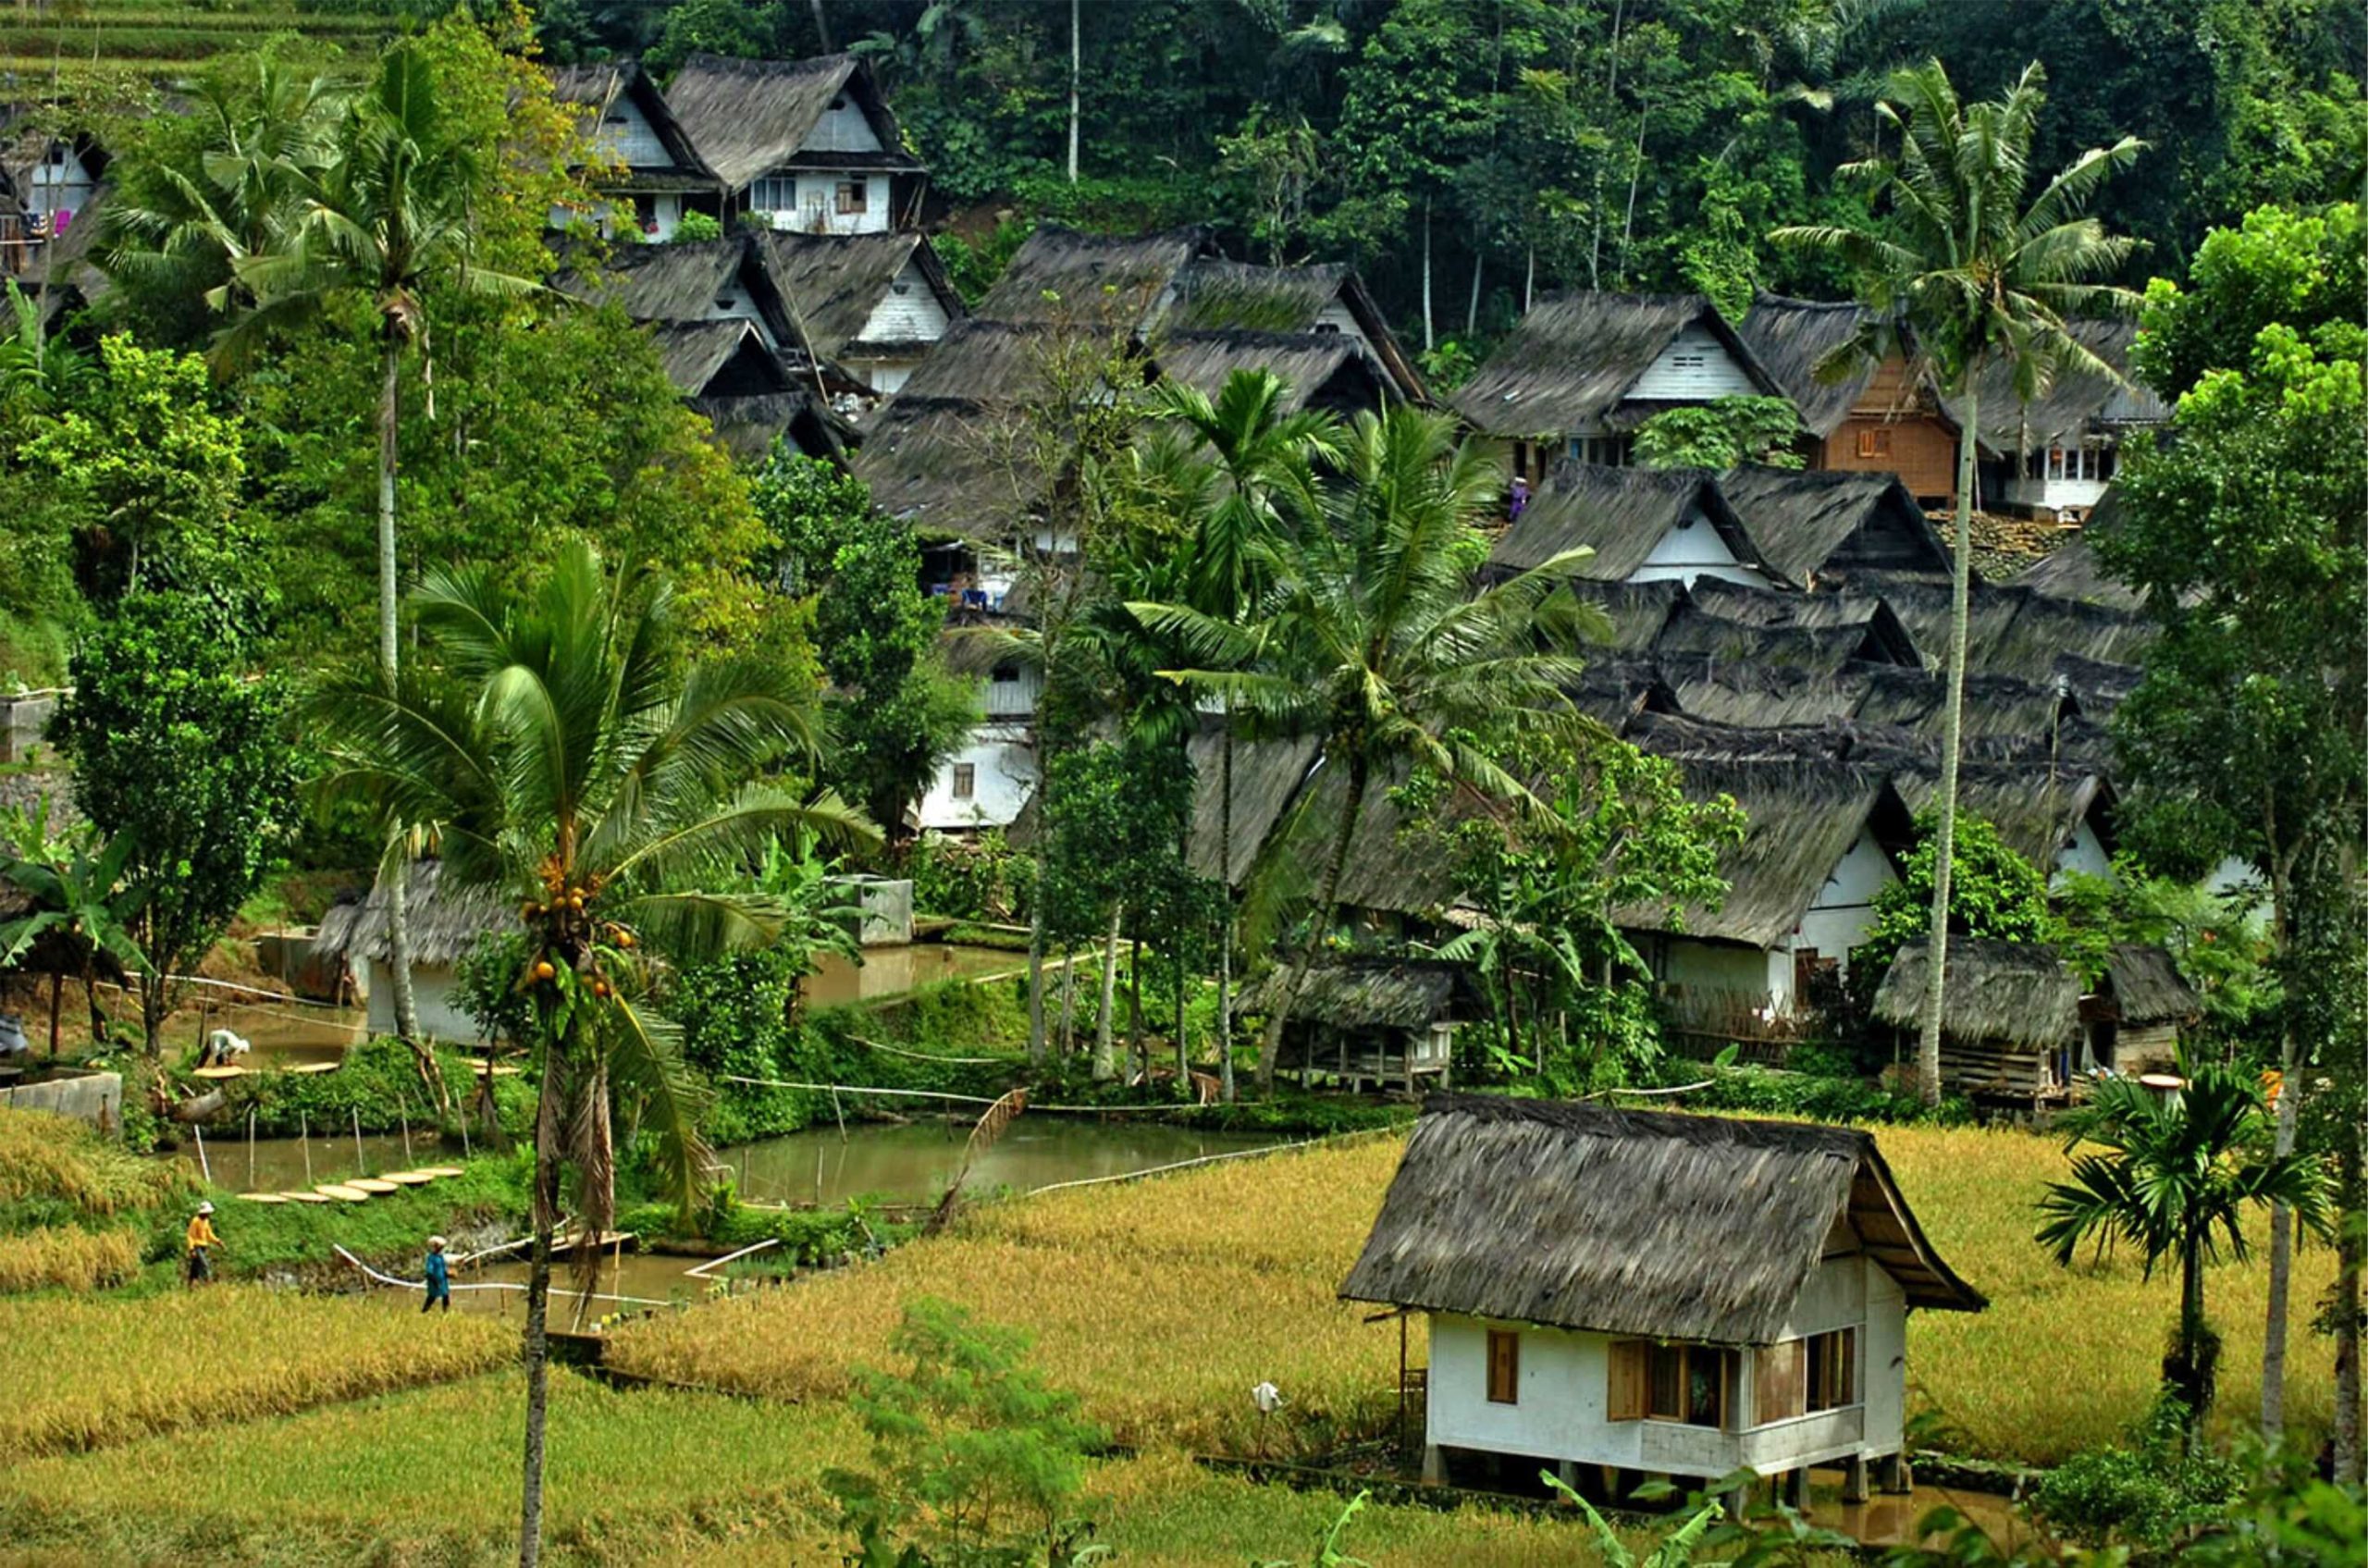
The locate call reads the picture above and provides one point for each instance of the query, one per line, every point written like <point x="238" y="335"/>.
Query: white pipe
<point x="700" y="1272"/>
<point x="498" y="1284"/>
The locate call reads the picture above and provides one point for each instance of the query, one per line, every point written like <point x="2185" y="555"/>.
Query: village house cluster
<point x="1779" y="633"/>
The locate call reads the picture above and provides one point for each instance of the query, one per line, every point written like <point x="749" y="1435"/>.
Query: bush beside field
<point x="1160" y="1303"/>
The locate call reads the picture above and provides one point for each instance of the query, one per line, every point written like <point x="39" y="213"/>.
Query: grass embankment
<point x="85" y="1374"/>
<point x="1160" y="1303"/>
<point x="643" y="1476"/>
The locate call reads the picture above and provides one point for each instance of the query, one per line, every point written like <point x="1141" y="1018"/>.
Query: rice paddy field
<point x="1160" y="1303"/>
<point x="92" y="42"/>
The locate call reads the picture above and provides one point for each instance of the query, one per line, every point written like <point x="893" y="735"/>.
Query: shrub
<point x="694" y="227"/>
<point x="2145" y="1492"/>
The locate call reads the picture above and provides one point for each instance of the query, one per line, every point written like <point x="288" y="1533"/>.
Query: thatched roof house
<point x="621" y="111"/>
<point x="1327" y="371"/>
<point x="2058" y="818"/>
<point x="875" y="302"/>
<point x="2141" y="1008"/>
<point x="2074" y="572"/>
<point x="1865" y="625"/>
<point x="2010" y="1014"/>
<point x="1636" y="611"/>
<point x="703" y="281"/>
<point x="933" y="463"/>
<point x="445" y="925"/>
<point x="1217" y="296"/>
<point x="1644" y="525"/>
<point x="1063" y="275"/>
<point x="1815" y="527"/>
<point x="1365" y="996"/>
<point x="1581" y="371"/>
<point x="2054" y="456"/>
<point x="749" y="119"/>
<point x="1881" y="417"/>
<point x="1737" y="1220"/>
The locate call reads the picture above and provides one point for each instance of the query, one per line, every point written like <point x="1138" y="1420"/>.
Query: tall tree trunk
<point x="1529" y="280"/>
<point x="1076" y="52"/>
<point x="390" y="350"/>
<point x="1325" y="909"/>
<point x="1225" y="937"/>
<point x="1928" y="1043"/>
<point x="91" y="999"/>
<point x="1472" y="305"/>
<point x="2281" y="1254"/>
<point x="1068" y="1001"/>
<point x="2351" y="1213"/>
<point x="1036" y="972"/>
<point x="1635" y="173"/>
<point x="2191" y="1330"/>
<point x="1106" y="1065"/>
<point x="539" y="1295"/>
<point x="1427" y="338"/>
<point x="822" y="28"/>
<point x="1135" y="1005"/>
<point x="56" y="998"/>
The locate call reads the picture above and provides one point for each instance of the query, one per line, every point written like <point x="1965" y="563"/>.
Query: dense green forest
<point x="1467" y="152"/>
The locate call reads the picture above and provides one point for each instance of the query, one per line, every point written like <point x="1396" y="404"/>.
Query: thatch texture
<point x="1570" y="360"/>
<point x="986" y="361"/>
<point x="1268" y="775"/>
<point x="2146" y="987"/>
<point x="1323" y="370"/>
<point x="1359" y="995"/>
<point x="1227" y="296"/>
<point x="1063" y="275"/>
<point x="2019" y="995"/>
<point x="934" y="462"/>
<point x="832" y="283"/>
<point x="1637" y="611"/>
<point x="683" y="281"/>
<point x="2013" y="631"/>
<point x="1791" y="337"/>
<point x="1632" y="1222"/>
<point x="445" y="923"/>
<point x="2076" y="405"/>
<point x="718" y="359"/>
<point x="2074" y="572"/>
<point x="2037" y="808"/>
<point x="1803" y="814"/>
<point x="1697" y="635"/>
<point x="1810" y="526"/>
<point x="749" y="117"/>
<point x="1620" y="513"/>
<point x="1762" y="607"/>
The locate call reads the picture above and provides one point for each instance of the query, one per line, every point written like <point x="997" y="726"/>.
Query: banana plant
<point x="75" y="916"/>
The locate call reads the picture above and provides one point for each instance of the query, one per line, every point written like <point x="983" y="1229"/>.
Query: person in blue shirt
<point x="439" y="1277"/>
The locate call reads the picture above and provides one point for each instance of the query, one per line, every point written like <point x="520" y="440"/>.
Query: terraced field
<point x="100" y="42"/>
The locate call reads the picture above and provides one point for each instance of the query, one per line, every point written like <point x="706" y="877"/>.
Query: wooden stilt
<point x="1434" y="1464"/>
<point x="1853" y="1478"/>
<point x="1795" y="1488"/>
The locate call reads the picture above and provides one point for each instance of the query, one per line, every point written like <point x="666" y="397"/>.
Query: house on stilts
<point x="1622" y="1294"/>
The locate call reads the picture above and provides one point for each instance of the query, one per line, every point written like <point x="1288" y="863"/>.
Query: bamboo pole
<point x="251" y="1148"/>
<point x="304" y="1141"/>
<point x="204" y="1166"/>
<point x="360" y="1166"/>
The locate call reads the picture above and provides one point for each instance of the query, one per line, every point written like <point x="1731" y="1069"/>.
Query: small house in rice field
<point x="2138" y="1012"/>
<point x="445" y="924"/>
<point x="1624" y="1294"/>
<point x="1386" y="1023"/>
<point x="2010" y="1017"/>
<point x="1580" y="371"/>
<point x="1878" y="417"/>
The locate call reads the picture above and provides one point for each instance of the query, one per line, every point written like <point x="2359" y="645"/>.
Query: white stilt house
<point x="1616" y="1293"/>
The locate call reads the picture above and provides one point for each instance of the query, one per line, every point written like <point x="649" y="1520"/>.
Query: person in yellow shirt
<point x="201" y="1242"/>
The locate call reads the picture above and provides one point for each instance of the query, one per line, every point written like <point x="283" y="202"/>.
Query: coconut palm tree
<point x="1963" y="275"/>
<point x="387" y="213"/>
<point x="568" y="761"/>
<point x="1380" y="643"/>
<point x="2174" y="1176"/>
<point x="1263" y="486"/>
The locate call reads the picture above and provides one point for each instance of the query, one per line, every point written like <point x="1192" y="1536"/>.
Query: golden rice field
<point x="95" y="1373"/>
<point x="1162" y="1303"/>
<point x="74" y="1260"/>
<point x="56" y="1159"/>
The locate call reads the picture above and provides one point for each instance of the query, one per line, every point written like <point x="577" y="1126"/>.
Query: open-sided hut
<point x="446" y="924"/>
<point x="2139" y="1010"/>
<point x="1581" y="371"/>
<point x="1621" y="1292"/>
<point x="1380" y="1023"/>
<point x="1877" y="418"/>
<point x="2010" y="1017"/>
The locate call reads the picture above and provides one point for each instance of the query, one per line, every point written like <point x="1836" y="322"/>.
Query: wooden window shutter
<point x="1780" y="1383"/>
<point x="1504" y="1366"/>
<point x="1625" y="1400"/>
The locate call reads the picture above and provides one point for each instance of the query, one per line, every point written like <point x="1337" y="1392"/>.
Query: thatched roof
<point x="1632" y="1222"/>
<point x="1268" y="775"/>
<point x="1572" y="359"/>
<point x="686" y="280"/>
<point x="2076" y="405"/>
<point x="2036" y="808"/>
<point x="2014" y="631"/>
<point x="1323" y="370"/>
<point x="445" y="923"/>
<point x="1810" y="526"/>
<point x="1791" y="337"/>
<point x="932" y="462"/>
<point x="1620" y="514"/>
<point x="707" y="359"/>
<point x="747" y="425"/>
<point x="1228" y="296"/>
<point x="986" y="361"/>
<point x="749" y="117"/>
<point x="1887" y="640"/>
<point x="1637" y="611"/>
<point x="1359" y="996"/>
<point x="2020" y="995"/>
<point x="2074" y="572"/>
<point x="1125" y="278"/>
<point x="832" y="283"/>
<point x="595" y="88"/>
<point x="1803" y="815"/>
<point x="2146" y="987"/>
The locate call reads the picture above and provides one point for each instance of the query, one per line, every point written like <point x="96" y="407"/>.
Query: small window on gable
<point x="1874" y="443"/>
<point x="900" y="288"/>
<point x="1504" y="1366"/>
<point x="1331" y="327"/>
<point x="840" y="101"/>
<point x="966" y="779"/>
<point x="1688" y="362"/>
<point x="1004" y="673"/>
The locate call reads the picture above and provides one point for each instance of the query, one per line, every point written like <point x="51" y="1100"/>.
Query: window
<point x="1626" y="1399"/>
<point x="1322" y="328"/>
<point x="773" y="193"/>
<point x="966" y="779"/>
<point x="1688" y="1383"/>
<point x="1504" y="1366"/>
<point x="1833" y="1369"/>
<point x="853" y="194"/>
<point x="1610" y="450"/>
<point x="1779" y="1383"/>
<point x="1688" y="362"/>
<point x="1874" y="443"/>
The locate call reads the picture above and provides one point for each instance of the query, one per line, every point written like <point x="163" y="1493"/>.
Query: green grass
<point x="265" y="1238"/>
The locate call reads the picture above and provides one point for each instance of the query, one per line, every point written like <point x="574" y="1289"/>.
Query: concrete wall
<point x="94" y="1097"/>
<point x="432" y="994"/>
<point x="1003" y="762"/>
<point x="887" y="907"/>
<point x="22" y="720"/>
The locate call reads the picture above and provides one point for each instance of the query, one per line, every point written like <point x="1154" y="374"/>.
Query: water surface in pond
<point x="913" y="1163"/>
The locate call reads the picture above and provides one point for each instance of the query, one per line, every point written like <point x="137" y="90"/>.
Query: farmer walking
<point x="439" y="1277"/>
<point x="201" y="1242"/>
